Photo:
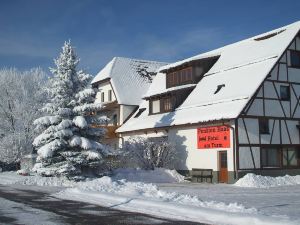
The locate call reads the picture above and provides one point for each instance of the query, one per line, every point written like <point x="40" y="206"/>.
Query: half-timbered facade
<point x="233" y="110"/>
<point x="268" y="127"/>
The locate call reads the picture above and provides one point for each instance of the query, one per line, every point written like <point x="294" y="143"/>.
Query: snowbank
<point x="140" y="190"/>
<point x="158" y="175"/>
<point x="258" y="181"/>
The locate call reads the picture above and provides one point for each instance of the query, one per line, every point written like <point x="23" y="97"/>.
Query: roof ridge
<point x="145" y="60"/>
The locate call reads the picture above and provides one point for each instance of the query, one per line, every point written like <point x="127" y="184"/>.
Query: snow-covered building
<point x="233" y="110"/>
<point x="120" y="90"/>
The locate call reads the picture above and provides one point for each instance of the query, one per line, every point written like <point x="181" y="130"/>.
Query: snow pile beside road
<point x="158" y="175"/>
<point x="7" y="178"/>
<point x="47" y="181"/>
<point x="258" y="181"/>
<point x="140" y="190"/>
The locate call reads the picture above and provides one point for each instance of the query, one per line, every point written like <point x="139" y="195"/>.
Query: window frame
<point x="180" y="77"/>
<point x="102" y="97"/>
<point x="287" y="150"/>
<point x="288" y="93"/>
<point x="278" y="156"/>
<point x="298" y="54"/>
<point x="109" y="95"/>
<point x="264" y="123"/>
<point x="151" y="106"/>
<point x="164" y="102"/>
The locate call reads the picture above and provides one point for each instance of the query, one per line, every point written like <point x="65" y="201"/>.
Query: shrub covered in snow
<point x="149" y="154"/>
<point x="68" y="140"/>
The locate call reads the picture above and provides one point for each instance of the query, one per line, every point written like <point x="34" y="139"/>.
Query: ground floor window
<point x="289" y="157"/>
<point x="270" y="157"/>
<point x="280" y="157"/>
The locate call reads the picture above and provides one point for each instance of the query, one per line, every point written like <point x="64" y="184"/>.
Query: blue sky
<point x="33" y="31"/>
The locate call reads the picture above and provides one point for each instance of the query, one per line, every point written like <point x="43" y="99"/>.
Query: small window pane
<point x="264" y="126"/>
<point x="284" y="92"/>
<point x="156" y="106"/>
<point x="109" y="95"/>
<point x="167" y="104"/>
<point x="295" y="58"/>
<point x="102" y="97"/>
<point x="270" y="157"/>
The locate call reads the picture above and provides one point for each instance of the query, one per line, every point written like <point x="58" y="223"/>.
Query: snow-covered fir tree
<point x="67" y="144"/>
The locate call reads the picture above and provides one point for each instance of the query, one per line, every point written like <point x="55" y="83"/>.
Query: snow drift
<point x="258" y="181"/>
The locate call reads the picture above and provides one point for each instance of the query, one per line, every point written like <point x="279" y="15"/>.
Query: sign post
<point x="213" y="137"/>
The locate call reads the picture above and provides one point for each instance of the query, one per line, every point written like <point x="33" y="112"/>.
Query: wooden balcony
<point x="111" y="131"/>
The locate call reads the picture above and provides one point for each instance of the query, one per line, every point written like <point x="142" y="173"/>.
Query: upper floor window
<point x="102" y="97"/>
<point x="284" y="93"/>
<point x="295" y="58"/>
<point x="164" y="104"/>
<point x="109" y="95"/>
<point x="167" y="104"/>
<point x="264" y="126"/>
<point x="270" y="157"/>
<point x="155" y="106"/>
<point x="179" y="77"/>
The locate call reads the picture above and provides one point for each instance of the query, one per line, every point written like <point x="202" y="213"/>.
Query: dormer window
<point x="180" y="77"/>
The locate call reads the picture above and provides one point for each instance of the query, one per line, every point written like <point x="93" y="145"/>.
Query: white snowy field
<point x="163" y="193"/>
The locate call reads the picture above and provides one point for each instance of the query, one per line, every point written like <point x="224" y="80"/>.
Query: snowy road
<point x="33" y="205"/>
<point x="275" y="202"/>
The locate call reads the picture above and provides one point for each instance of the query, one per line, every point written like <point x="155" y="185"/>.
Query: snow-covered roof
<point x="240" y="69"/>
<point x="128" y="85"/>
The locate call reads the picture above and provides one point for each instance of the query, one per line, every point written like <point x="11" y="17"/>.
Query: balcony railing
<point x="111" y="131"/>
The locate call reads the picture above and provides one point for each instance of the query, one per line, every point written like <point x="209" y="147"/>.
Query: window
<point x="270" y="157"/>
<point x="141" y="110"/>
<point x="155" y="106"/>
<point x="264" y="126"/>
<point x="102" y="97"/>
<point x="166" y="104"/>
<point x="109" y="95"/>
<point x="284" y="93"/>
<point x="180" y="77"/>
<point x="295" y="58"/>
<point x="289" y="157"/>
<point x="115" y="120"/>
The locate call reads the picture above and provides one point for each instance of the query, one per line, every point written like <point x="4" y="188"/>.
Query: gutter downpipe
<point x="234" y="149"/>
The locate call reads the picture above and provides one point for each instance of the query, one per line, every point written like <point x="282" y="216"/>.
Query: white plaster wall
<point x="274" y="73"/>
<point x="185" y="140"/>
<point x="245" y="157"/>
<point x="273" y="108"/>
<point x="104" y="87"/>
<point x="282" y="72"/>
<point x="256" y="108"/>
<point x="252" y="129"/>
<point x="125" y="111"/>
<point x="294" y="75"/>
<point x="269" y="90"/>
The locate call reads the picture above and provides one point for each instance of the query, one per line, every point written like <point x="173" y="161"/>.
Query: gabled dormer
<point x="177" y="84"/>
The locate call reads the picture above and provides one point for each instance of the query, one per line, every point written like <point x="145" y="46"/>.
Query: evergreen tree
<point x="67" y="143"/>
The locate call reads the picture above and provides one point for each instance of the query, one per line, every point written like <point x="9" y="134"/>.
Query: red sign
<point x="213" y="137"/>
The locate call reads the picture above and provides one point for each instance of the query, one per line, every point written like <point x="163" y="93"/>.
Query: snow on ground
<point x="148" y="176"/>
<point x="257" y="181"/>
<point x="163" y="193"/>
